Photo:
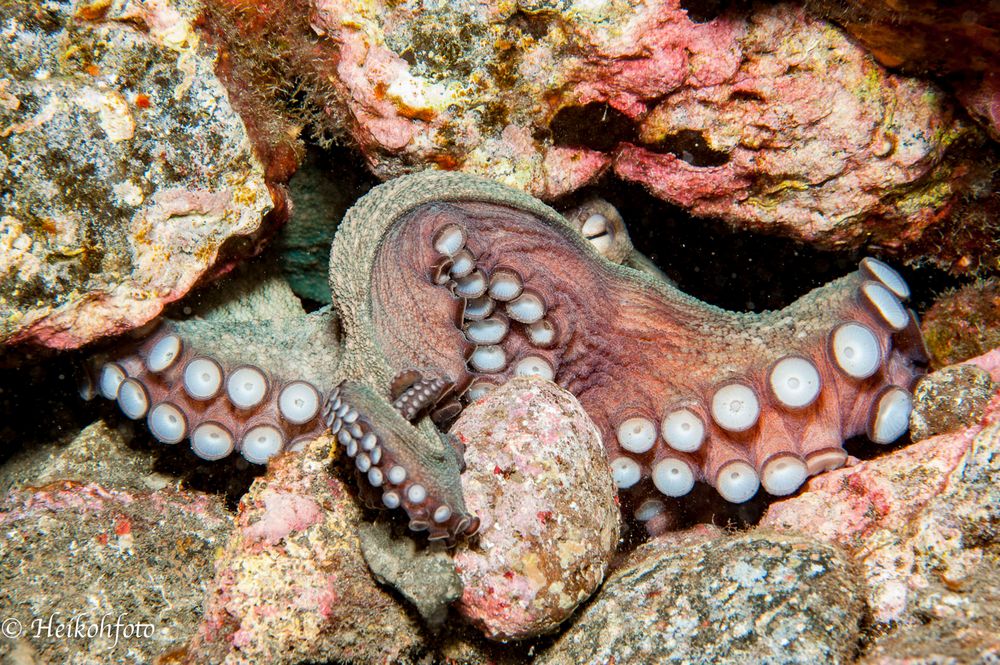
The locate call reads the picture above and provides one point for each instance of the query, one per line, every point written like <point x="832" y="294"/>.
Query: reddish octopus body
<point x="470" y="283"/>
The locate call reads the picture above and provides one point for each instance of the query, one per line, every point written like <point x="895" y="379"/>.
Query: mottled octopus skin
<point x="627" y="343"/>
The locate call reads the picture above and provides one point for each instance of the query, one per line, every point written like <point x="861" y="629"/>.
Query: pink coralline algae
<point x="283" y="515"/>
<point x="123" y="168"/>
<point x="538" y="480"/>
<point x="917" y="521"/>
<point x="291" y="584"/>
<point x="777" y="122"/>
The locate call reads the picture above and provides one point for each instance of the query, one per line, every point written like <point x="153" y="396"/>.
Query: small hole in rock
<point x="690" y="146"/>
<point x="596" y="126"/>
<point x="703" y="11"/>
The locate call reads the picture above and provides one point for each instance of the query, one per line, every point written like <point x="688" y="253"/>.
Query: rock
<point x="124" y="168"/>
<point x="538" y="478"/>
<point x="950" y="399"/>
<point x="292" y="586"/>
<point x="97" y="454"/>
<point x="86" y="557"/>
<point x="958" y="38"/>
<point x="756" y="597"/>
<point x="777" y="122"/>
<point x="922" y="36"/>
<point x="920" y="521"/>
<point x="426" y="578"/>
<point x="968" y="632"/>
<point x="982" y="100"/>
<point x="963" y="323"/>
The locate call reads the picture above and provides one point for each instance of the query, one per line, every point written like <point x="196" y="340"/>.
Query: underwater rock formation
<point x="91" y="534"/>
<point x="963" y="323"/>
<point x="950" y="399"/>
<point x="959" y="40"/>
<point x="759" y="597"/>
<point x="982" y="101"/>
<point x="537" y="477"/>
<point x="292" y="585"/>
<point x="123" y="168"/>
<point x="776" y="122"/>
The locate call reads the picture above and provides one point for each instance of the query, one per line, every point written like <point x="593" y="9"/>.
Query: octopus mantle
<point x="448" y="285"/>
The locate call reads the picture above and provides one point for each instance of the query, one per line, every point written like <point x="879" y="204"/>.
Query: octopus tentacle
<point x="475" y="283"/>
<point x="602" y="225"/>
<point x="393" y="463"/>
<point x="413" y="393"/>
<point x="682" y="391"/>
<point x="183" y="394"/>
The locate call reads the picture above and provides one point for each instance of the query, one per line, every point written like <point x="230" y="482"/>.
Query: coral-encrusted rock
<point x="921" y="521"/>
<point x="778" y="122"/>
<point x="85" y="554"/>
<point x="960" y="38"/>
<point x="963" y="323"/>
<point x="123" y="167"/>
<point x="97" y="454"/>
<point x="538" y="478"/>
<point x="292" y="585"/>
<point x="950" y="399"/>
<point x="749" y="599"/>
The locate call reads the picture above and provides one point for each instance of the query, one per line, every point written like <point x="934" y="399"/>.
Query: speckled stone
<point x="752" y="598"/>
<point x="957" y="628"/>
<point x="292" y="586"/>
<point x="83" y="553"/>
<point x="950" y="399"/>
<point x="538" y="479"/>
<point x="424" y="576"/>
<point x="123" y="167"/>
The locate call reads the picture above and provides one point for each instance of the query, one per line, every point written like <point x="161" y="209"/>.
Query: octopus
<point x="448" y="285"/>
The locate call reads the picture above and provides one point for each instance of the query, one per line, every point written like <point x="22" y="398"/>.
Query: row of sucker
<point x="420" y="396"/>
<point x="493" y="304"/>
<point x="705" y="437"/>
<point x="376" y="466"/>
<point x="793" y="384"/>
<point x="184" y="395"/>
<point x="496" y="301"/>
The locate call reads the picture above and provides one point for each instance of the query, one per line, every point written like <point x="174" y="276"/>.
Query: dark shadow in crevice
<point x="596" y="126"/>
<point x="734" y="269"/>
<point x="40" y="402"/>
<point x="690" y="146"/>
<point x="703" y="11"/>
